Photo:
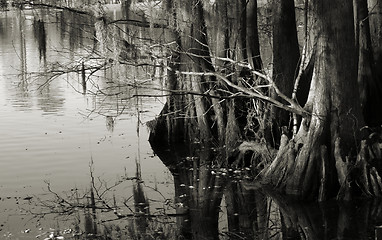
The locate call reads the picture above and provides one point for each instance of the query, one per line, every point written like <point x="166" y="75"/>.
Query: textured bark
<point x="252" y="40"/>
<point x="334" y="114"/>
<point x="315" y="163"/>
<point x="322" y="195"/>
<point x="362" y="165"/>
<point x="369" y="85"/>
<point x="286" y="55"/>
<point x="199" y="189"/>
<point x="343" y="172"/>
<point x="375" y="17"/>
<point x="232" y="33"/>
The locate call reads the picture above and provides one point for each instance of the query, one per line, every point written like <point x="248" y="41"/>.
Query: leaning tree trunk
<point x="302" y="166"/>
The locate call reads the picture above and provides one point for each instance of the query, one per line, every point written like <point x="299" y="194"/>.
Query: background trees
<point x="231" y="100"/>
<point x="295" y="125"/>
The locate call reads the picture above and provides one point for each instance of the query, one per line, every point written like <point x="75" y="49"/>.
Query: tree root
<point x="363" y="172"/>
<point x="303" y="174"/>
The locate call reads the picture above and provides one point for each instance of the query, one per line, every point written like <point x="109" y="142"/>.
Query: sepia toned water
<point x="51" y="129"/>
<point x="57" y="134"/>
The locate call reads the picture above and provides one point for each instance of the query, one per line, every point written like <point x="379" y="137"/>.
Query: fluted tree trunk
<point x="304" y="166"/>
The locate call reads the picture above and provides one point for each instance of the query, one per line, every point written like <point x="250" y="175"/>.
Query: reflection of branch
<point x="133" y="215"/>
<point x="59" y="7"/>
<point x="139" y="23"/>
<point x="182" y="93"/>
<point x="133" y="22"/>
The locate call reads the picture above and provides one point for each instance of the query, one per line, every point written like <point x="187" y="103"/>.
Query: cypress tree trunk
<point x="369" y="85"/>
<point x="252" y="40"/>
<point x="332" y="128"/>
<point x="286" y="56"/>
<point x="375" y="17"/>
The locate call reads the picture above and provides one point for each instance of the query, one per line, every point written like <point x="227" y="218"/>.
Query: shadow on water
<point x="211" y="200"/>
<point x="223" y="203"/>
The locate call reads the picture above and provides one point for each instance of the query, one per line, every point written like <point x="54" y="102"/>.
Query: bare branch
<point x="293" y="107"/>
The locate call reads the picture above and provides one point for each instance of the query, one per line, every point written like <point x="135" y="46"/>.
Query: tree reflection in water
<point x="251" y="212"/>
<point x="40" y="37"/>
<point x="203" y="188"/>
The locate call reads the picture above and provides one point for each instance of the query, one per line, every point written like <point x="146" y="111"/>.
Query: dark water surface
<point x="55" y="131"/>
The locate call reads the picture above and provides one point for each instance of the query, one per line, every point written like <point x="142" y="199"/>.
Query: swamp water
<point x="50" y="131"/>
<point x="60" y="137"/>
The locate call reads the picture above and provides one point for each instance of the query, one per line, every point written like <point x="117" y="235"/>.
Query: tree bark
<point x="375" y="17"/>
<point x="286" y="56"/>
<point x="252" y="36"/>
<point x="334" y="114"/>
<point x="369" y="86"/>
